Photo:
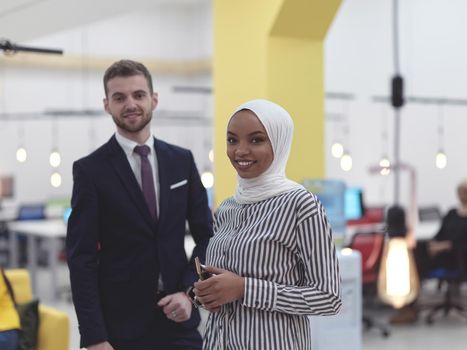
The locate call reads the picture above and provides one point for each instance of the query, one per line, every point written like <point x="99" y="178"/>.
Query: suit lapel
<point x="120" y="163"/>
<point x="163" y="173"/>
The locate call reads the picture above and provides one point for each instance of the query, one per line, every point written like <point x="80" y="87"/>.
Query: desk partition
<point x="50" y="230"/>
<point x="342" y="331"/>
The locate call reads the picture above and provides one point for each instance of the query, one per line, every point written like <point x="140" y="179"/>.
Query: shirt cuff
<point x="259" y="294"/>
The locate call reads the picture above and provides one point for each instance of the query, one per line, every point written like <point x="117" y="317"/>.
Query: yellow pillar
<point x="271" y="49"/>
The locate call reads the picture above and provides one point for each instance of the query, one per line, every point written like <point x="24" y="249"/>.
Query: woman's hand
<point x="222" y="288"/>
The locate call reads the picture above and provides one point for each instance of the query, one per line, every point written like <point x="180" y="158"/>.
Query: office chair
<point x="429" y="213"/>
<point x="370" y="246"/>
<point x="31" y="212"/>
<point x="34" y="211"/>
<point x="451" y="280"/>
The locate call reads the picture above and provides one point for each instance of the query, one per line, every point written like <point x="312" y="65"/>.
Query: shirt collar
<point x="129" y="145"/>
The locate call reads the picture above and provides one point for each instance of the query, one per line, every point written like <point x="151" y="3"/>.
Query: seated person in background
<point x="450" y="241"/>
<point x="452" y="236"/>
<point x="443" y="251"/>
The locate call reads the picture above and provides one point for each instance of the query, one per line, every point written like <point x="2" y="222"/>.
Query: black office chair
<point x="370" y="246"/>
<point x="450" y="280"/>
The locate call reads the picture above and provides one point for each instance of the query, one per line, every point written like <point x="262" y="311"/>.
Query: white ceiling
<point x="23" y="20"/>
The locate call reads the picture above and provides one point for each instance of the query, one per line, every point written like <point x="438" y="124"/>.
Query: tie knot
<point x="142" y="150"/>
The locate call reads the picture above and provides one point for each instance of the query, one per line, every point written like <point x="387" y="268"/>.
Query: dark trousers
<point x="426" y="263"/>
<point x="163" y="335"/>
<point x="9" y="340"/>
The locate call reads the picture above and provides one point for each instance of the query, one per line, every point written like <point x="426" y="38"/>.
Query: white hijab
<point x="279" y="127"/>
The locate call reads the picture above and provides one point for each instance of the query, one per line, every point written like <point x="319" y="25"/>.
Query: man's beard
<point x="133" y="128"/>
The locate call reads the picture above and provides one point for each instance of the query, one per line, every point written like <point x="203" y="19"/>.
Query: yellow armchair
<point x="54" y="327"/>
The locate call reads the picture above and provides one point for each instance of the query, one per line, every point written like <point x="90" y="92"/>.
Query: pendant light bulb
<point x="346" y="162"/>
<point x="385" y="165"/>
<point x="441" y="160"/>
<point x="398" y="282"/>
<point x="207" y="178"/>
<point x="211" y="156"/>
<point x="337" y="150"/>
<point x="21" y="154"/>
<point x="55" y="159"/>
<point x="56" y="180"/>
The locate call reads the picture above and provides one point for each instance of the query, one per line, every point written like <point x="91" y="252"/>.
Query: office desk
<point x="50" y="230"/>
<point x="8" y="215"/>
<point x="53" y="231"/>
<point x="427" y="229"/>
<point x="344" y="330"/>
<point x="424" y="230"/>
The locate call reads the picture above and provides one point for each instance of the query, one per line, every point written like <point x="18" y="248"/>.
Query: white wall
<point x="177" y="33"/>
<point x="358" y="57"/>
<point x="358" y="60"/>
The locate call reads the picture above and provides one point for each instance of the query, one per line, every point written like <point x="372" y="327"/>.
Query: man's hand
<point x="222" y="288"/>
<point x="101" y="346"/>
<point x="177" y="307"/>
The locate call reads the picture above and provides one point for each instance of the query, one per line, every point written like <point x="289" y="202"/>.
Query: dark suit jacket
<point x="114" y="286"/>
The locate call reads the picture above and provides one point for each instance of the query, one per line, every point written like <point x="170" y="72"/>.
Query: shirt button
<point x="257" y="303"/>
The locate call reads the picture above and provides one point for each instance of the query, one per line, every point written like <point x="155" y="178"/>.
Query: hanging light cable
<point x="337" y="148"/>
<point x="85" y="89"/>
<point x="384" y="162"/>
<point x="346" y="161"/>
<point x="398" y="282"/>
<point x="21" y="153"/>
<point x="441" y="159"/>
<point x="55" y="158"/>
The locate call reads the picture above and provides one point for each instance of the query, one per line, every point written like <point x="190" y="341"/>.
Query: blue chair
<point x="31" y="212"/>
<point x="449" y="279"/>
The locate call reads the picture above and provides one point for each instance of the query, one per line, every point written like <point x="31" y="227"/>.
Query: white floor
<point x="448" y="333"/>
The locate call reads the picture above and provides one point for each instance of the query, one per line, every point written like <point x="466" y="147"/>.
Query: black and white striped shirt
<point x="284" y="249"/>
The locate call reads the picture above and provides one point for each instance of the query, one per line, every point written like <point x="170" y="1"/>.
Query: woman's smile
<point x="248" y="146"/>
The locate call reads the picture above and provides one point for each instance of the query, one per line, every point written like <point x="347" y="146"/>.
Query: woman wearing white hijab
<point x="272" y="256"/>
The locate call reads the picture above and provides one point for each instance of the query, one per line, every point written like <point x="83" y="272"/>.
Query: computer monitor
<point x="353" y="203"/>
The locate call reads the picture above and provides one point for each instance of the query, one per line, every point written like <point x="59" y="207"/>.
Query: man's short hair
<point x="127" y="68"/>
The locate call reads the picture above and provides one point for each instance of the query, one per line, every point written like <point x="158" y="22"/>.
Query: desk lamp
<point x="398" y="282"/>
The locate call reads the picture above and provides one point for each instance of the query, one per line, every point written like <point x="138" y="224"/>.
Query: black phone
<point x="200" y="270"/>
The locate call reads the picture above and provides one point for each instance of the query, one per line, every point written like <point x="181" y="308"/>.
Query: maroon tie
<point x="147" y="181"/>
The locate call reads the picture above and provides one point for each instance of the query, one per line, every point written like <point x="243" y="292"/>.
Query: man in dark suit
<point x="131" y="200"/>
